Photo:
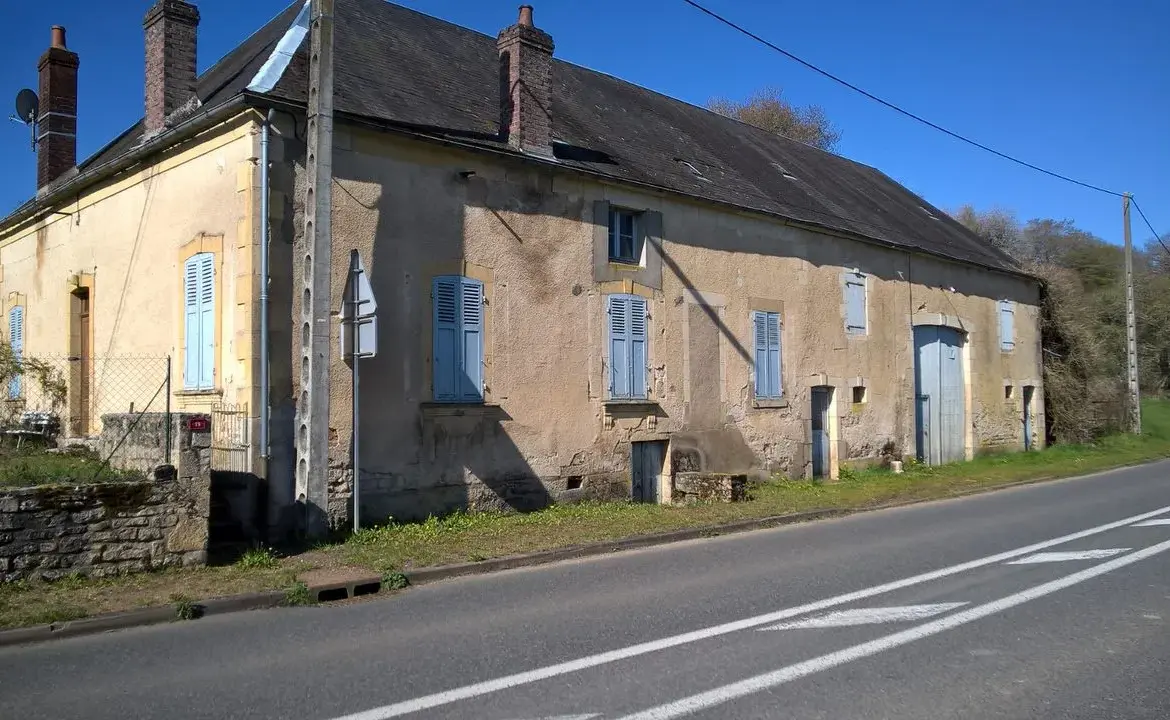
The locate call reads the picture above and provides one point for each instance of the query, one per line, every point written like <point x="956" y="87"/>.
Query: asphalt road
<point x="1050" y="601"/>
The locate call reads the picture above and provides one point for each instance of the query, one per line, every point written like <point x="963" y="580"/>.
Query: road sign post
<point x="359" y="339"/>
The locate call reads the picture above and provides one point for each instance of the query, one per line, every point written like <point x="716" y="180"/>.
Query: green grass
<point x="393" y="550"/>
<point x="33" y="603"/>
<point x="30" y="467"/>
<point x="258" y="559"/>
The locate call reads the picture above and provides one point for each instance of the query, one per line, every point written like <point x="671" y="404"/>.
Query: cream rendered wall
<point x="545" y="430"/>
<point x="132" y="233"/>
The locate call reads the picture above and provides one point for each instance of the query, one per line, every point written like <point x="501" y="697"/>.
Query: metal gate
<point x="229" y="437"/>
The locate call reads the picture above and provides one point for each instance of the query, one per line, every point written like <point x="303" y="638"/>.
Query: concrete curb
<point x="137" y="618"/>
<point x="272" y="599"/>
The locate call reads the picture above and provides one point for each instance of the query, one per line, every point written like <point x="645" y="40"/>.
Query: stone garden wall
<point x="102" y="529"/>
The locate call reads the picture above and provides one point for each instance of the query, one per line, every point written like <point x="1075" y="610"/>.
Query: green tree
<point x="768" y="110"/>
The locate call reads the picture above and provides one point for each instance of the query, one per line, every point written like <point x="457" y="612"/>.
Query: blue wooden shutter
<point x="775" y="387"/>
<point x="766" y="340"/>
<point x="760" y="343"/>
<point x="855" y="304"/>
<point x="471" y="315"/>
<point x="199" y="322"/>
<point x="637" y="346"/>
<point x="445" y="352"/>
<point x="619" y="346"/>
<point x="1007" y="330"/>
<point x="16" y="342"/>
<point x="191" y="323"/>
<point x="206" y="320"/>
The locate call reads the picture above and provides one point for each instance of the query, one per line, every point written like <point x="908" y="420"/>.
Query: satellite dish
<point x="27" y="106"/>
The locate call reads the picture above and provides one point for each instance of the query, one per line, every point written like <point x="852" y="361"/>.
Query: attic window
<point x="694" y="170"/>
<point x="783" y="171"/>
<point x="929" y="214"/>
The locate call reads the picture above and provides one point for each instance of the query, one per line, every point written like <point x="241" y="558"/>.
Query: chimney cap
<point x="525" y="16"/>
<point x="58" y="36"/>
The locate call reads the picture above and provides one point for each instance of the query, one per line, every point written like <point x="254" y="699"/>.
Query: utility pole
<point x="312" y="472"/>
<point x="1135" y="408"/>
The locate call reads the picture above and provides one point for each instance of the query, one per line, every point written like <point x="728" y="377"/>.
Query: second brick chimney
<point x="525" y="85"/>
<point x="57" y="132"/>
<point x="170" y="60"/>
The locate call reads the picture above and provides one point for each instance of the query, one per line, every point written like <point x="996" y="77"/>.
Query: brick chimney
<point x="525" y="85"/>
<point x="57" y="138"/>
<point x="170" y="60"/>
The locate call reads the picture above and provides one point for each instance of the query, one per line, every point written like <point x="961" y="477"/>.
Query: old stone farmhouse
<point x="583" y="286"/>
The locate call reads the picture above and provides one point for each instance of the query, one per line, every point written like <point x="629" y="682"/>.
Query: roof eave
<point x="190" y="127"/>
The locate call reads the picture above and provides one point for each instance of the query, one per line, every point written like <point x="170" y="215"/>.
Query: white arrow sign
<point x="868" y="616"/>
<point x="366" y="318"/>
<point x="1052" y="557"/>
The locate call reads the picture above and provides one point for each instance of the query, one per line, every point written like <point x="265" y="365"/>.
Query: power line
<point x="894" y="107"/>
<point x="1147" y="222"/>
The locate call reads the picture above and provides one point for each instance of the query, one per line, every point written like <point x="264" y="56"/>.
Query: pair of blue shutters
<point x="457" y="356"/>
<point x="627" y="346"/>
<point x="16" y="343"/>
<point x="199" y="322"/>
<point x="766" y="340"/>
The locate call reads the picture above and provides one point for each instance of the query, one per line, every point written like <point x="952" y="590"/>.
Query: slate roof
<point x="401" y="67"/>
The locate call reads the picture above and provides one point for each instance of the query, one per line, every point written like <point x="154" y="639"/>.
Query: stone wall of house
<point x="50" y="531"/>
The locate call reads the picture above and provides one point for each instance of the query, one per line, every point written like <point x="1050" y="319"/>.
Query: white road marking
<point x="1156" y="522"/>
<point x="1052" y="557"/>
<point x="867" y="616"/>
<point x="718" y="696"/>
<point x="530" y="676"/>
<point x="571" y="717"/>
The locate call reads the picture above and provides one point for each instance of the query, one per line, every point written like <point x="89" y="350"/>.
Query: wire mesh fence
<point x="67" y="396"/>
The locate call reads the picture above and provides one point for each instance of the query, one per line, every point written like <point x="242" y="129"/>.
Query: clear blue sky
<point x="1078" y="86"/>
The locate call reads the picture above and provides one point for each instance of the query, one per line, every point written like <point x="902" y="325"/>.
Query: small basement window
<point x="625" y="237"/>
<point x="1009" y="391"/>
<point x="858" y="394"/>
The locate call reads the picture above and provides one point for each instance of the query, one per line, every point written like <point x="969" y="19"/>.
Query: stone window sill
<point x="762" y="403"/>
<point x="434" y="409"/>
<point x="212" y="392"/>
<point x="629" y="402"/>
<point x="627" y="267"/>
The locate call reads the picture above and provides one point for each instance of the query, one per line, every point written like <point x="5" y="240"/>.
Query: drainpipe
<point x="265" y="128"/>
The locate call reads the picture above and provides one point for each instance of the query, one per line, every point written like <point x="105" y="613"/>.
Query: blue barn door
<point x="941" y="394"/>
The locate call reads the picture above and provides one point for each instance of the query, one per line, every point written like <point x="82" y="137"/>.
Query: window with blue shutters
<point x="768" y="366"/>
<point x="1007" y="325"/>
<point x="199" y="322"/>
<point x="457" y="355"/>
<point x="16" y="343"/>
<point x="627" y="347"/>
<point x="855" y="315"/>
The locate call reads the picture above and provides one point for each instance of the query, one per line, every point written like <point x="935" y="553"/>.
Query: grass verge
<point x="35" y="466"/>
<point x="463" y="537"/>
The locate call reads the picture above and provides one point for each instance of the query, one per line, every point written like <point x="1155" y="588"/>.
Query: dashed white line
<point x="530" y="676"/>
<point x="727" y="693"/>
<point x="867" y="616"/>
<point x="1156" y="522"/>
<point x="1054" y="557"/>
